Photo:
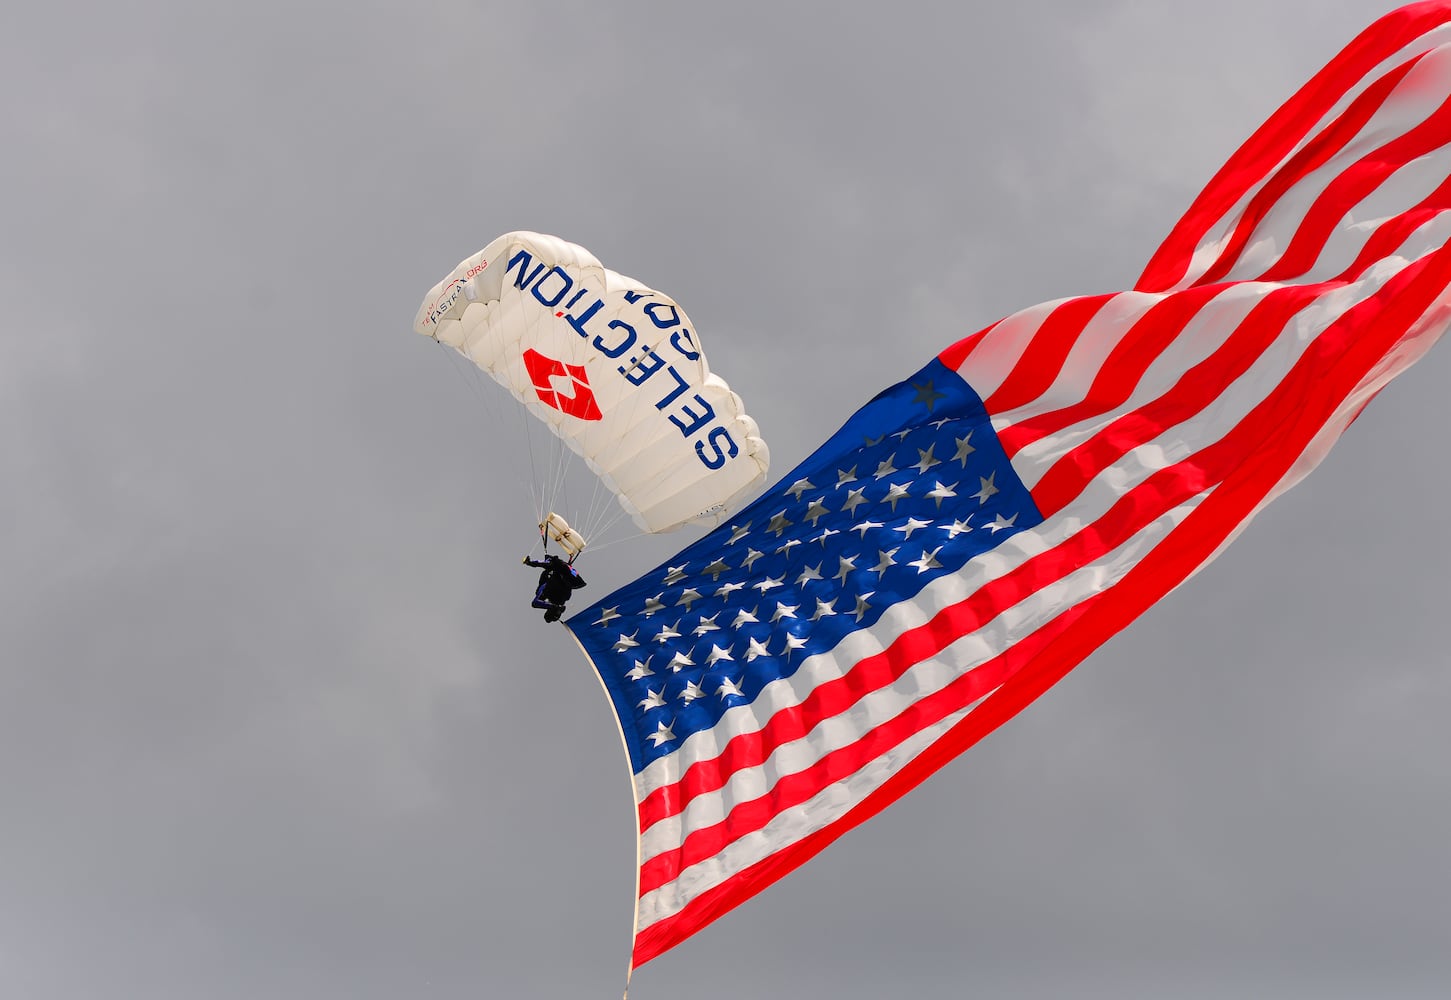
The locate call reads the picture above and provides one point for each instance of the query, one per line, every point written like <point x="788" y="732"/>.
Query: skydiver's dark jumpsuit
<point x="558" y="581"/>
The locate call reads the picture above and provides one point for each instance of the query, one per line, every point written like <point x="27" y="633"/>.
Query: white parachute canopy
<point x="613" y="367"/>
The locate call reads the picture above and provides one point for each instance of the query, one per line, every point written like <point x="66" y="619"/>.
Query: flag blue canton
<point x="911" y="488"/>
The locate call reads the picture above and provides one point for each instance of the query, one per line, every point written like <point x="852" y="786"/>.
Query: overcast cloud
<point x="272" y="723"/>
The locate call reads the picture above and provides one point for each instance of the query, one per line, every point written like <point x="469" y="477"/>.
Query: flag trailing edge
<point x="975" y="531"/>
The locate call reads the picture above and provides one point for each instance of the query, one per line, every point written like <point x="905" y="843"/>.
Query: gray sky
<point x="272" y="723"/>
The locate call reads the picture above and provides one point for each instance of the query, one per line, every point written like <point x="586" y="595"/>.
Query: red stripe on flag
<point x="1352" y="187"/>
<point x="1196" y="391"/>
<point x="1044" y="357"/>
<point x="1315" y="154"/>
<point x="1390" y="234"/>
<point x="1121" y="371"/>
<point x="955" y="355"/>
<point x="1282" y="131"/>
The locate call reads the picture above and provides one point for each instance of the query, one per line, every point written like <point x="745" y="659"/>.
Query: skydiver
<point x="556" y="583"/>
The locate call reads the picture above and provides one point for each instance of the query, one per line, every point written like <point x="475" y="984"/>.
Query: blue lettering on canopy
<point x="623" y="346"/>
<point x="523" y="259"/>
<point x="568" y="284"/>
<point x="549" y="286"/>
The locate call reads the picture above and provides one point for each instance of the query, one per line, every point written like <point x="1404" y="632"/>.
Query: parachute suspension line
<point x="562" y="464"/>
<point x="604" y="518"/>
<point x="558" y="489"/>
<point x="602" y="512"/>
<point x="595" y="547"/>
<point x="534" y="483"/>
<point x="460" y="369"/>
<point x="483" y="389"/>
<point x="605" y="511"/>
<point x="592" y="512"/>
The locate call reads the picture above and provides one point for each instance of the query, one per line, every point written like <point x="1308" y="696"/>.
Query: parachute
<point x="613" y="368"/>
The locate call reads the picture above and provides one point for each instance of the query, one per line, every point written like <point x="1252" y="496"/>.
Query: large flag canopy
<point x="974" y="532"/>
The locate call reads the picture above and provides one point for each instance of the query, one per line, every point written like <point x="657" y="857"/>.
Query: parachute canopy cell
<point x="613" y="367"/>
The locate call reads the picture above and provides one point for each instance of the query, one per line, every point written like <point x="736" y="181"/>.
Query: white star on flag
<point x="913" y="524"/>
<point x="927" y="561"/>
<point x="862" y="607"/>
<point x="801" y="486"/>
<point x="964" y="449"/>
<point x="941" y="493"/>
<point x="896" y="492"/>
<point x="730" y="689"/>
<point x="1000" y="522"/>
<point x="988" y="489"/>
<point x="956" y="528"/>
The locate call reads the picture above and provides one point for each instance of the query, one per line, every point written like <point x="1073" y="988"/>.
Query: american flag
<point x="977" y="530"/>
